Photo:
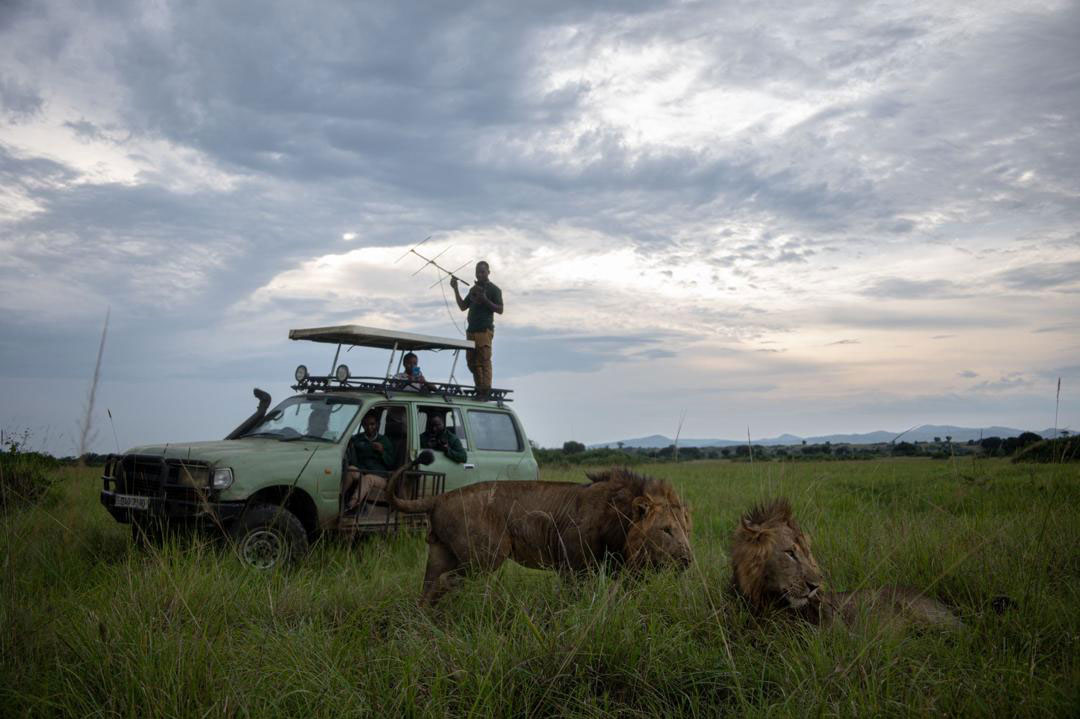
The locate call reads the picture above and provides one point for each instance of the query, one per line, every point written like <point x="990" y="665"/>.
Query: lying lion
<point x="774" y="568"/>
<point x="631" y="520"/>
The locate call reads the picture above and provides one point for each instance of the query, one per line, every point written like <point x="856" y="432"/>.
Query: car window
<point x="324" y="418"/>
<point x="451" y="418"/>
<point x="494" y="430"/>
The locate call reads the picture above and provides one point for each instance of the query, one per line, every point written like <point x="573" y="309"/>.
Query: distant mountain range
<point x="925" y="433"/>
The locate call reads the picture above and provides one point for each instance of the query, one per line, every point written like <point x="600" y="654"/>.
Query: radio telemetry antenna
<point x="431" y="261"/>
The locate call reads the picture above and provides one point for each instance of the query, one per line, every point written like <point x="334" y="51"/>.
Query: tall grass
<point x="93" y="627"/>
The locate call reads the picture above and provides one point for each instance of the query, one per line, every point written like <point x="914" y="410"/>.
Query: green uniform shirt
<point x="454" y="451"/>
<point x="363" y="455"/>
<point x="481" y="317"/>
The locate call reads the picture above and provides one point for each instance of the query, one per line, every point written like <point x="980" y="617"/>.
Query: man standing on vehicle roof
<point x="482" y="302"/>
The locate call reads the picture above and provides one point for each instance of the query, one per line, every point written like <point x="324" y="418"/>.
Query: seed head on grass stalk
<point x="86" y="429"/>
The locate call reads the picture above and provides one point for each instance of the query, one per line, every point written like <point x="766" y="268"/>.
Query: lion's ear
<point x="641" y="507"/>
<point x="751" y="529"/>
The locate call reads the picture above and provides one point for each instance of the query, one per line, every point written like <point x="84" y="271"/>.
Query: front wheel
<point x="268" y="536"/>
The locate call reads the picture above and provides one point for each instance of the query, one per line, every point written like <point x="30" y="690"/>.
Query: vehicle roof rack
<point x="359" y="336"/>
<point x="398" y="343"/>
<point x="388" y="387"/>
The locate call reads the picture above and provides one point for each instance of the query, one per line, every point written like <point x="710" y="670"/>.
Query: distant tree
<point x="804" y="443"/>
<point x="991" y="445"/>
<point x="620" y="444"/>
<point x="1064" y="433"/>
<point x="937" y="440"/>
<point x="971" y="443"/>
<point x="726" y="452"/>
<point x="572" y="447"/>
<point x="948" y="438"/>
<point x="1014" y="444"/>
<point x="905" y="449"/>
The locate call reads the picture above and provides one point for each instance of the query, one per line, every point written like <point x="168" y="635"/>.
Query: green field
<point x="94" y="627"/>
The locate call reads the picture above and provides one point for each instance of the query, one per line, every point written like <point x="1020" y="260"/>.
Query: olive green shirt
<point x="481" y="317"/>
<point x="363" y="455"/>
<point x="454" y="451"/>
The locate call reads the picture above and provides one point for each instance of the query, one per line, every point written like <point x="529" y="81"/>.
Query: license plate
<point x="129" y="501"/>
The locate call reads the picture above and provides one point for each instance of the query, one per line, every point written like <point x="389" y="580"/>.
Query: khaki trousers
<point x="369" y="483"/>
<point x="479" y="359"/>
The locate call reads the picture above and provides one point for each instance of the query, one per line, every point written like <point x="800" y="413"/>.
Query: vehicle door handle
<point x="469" y="465"/>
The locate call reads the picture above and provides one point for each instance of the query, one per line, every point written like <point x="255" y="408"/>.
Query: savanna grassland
<point x="94" y="627"/>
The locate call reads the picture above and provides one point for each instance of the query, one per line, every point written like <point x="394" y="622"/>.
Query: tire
<point x="267" y="536"/>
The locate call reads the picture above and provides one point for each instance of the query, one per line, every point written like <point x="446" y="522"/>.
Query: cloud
<point x="967" y="374"/>
<point x="1040" y="276"/>
<point x="658" y="181"/>
<point x="19" y="102"/>
<point x="885" y="318"/>
<point x="1006" y="383"/>
<point x="905" y="289"/>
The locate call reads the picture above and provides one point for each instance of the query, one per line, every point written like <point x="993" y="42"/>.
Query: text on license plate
<point x="132" y="502"/>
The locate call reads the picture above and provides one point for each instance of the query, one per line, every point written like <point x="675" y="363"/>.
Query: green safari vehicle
<point x="276" y="481"/>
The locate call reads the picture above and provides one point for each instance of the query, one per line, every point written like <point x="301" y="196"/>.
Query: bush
<point x="1063" y="449"/>
<point x="24" y="476"/>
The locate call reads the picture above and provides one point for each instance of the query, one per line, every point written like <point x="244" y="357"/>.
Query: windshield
<point x="323" y="419"/>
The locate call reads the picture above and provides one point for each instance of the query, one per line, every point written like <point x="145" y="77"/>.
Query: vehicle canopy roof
<point x="359" y="336"/>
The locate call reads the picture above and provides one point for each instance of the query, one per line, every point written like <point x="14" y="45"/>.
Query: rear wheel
<point x="269" y="536"/>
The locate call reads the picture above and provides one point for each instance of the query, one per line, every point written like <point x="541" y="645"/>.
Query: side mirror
<point x="426" y="456"/>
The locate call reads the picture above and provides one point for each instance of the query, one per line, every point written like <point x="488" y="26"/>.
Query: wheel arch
<point x="292" y="498"/>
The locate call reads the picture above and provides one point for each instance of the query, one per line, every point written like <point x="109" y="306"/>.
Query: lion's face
<point x="659" y="534"/>
<point x="772" y="560"/>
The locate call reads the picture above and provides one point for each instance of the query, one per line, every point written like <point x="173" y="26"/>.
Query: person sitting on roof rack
<point x="439" y="438"/>
<point x="368" y="453"/>
<point x="411" y="378"/>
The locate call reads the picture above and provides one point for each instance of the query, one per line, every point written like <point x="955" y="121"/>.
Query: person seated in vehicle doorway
<point x="411" y="378"/>
<point x="370" y="456"/>
<point x="439" y="438"/>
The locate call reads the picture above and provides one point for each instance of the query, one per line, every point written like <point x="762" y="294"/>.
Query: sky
<point x="759" y="217"/>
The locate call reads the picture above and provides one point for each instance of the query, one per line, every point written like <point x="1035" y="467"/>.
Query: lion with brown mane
<point x="775" y="569"/>
<point x="620" y="517"/>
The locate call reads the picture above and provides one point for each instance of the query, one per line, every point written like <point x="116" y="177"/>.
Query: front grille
<point x="150" y="476"/>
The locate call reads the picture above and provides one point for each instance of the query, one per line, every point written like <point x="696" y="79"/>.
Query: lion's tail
<point x="410" y="506"/>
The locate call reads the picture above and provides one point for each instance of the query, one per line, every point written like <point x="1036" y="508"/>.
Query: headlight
<point x="222" y="478"/>
<point x="342" y="373"/>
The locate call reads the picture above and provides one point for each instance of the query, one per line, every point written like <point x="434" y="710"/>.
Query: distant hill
<point x="925" y="433"/>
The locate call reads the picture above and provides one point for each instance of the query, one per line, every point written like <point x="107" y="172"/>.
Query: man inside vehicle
<point x="370" y="456"/>
<point x="440" y="439"/>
